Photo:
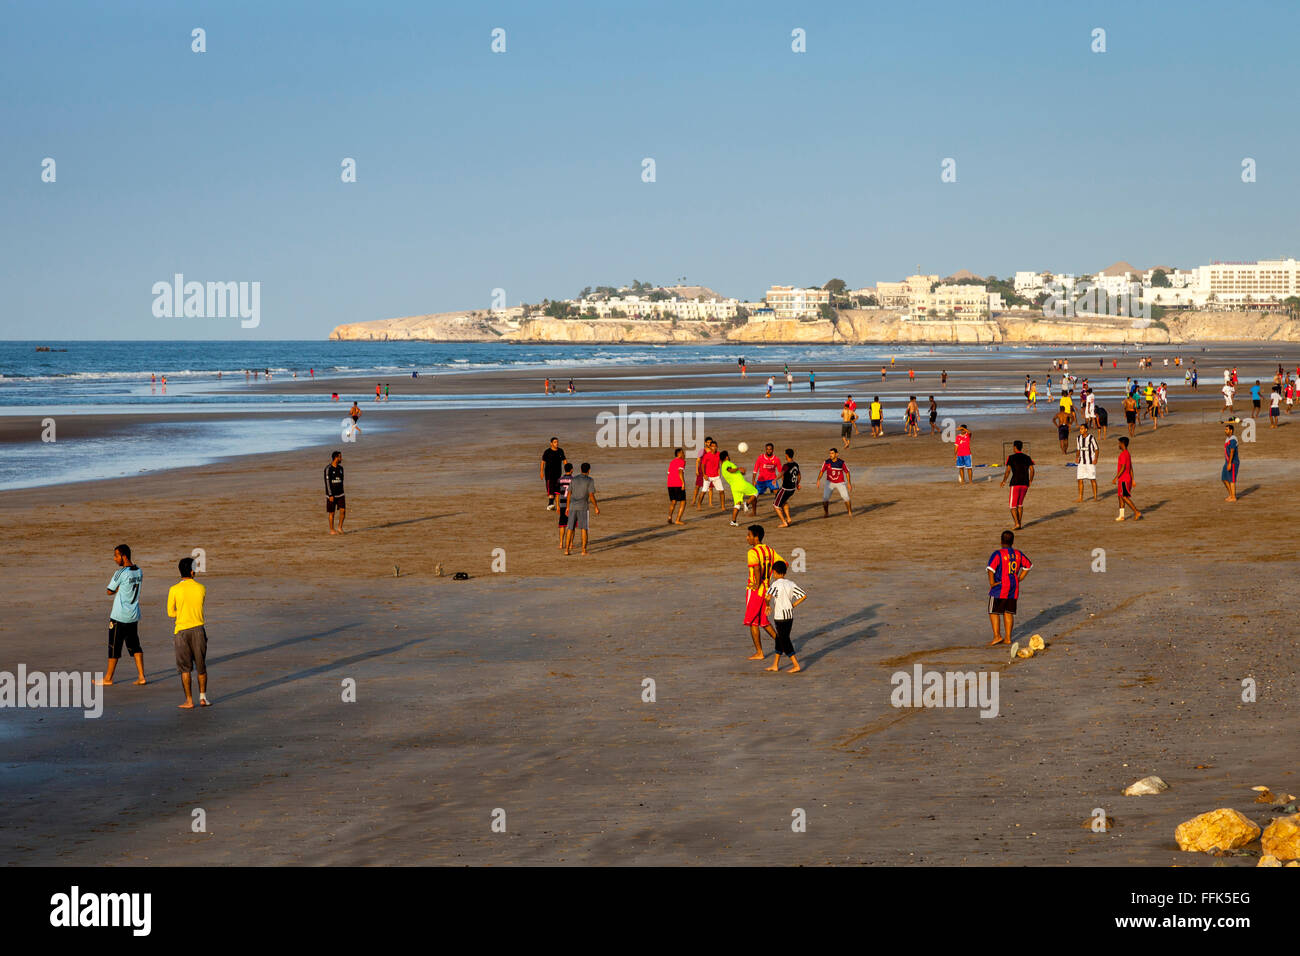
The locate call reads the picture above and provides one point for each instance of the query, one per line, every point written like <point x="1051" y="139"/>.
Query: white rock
<point x="1145" y="786"/>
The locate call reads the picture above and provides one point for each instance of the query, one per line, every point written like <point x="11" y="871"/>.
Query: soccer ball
<point x="742" y="448"/>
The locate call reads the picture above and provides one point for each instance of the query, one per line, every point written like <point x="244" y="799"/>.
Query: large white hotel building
<point x="1269" y="280"/>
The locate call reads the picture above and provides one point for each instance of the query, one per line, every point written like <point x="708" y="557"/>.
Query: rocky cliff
<point x="848" y="328"/>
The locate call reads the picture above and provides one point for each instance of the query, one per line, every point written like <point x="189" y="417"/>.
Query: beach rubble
<point x="1281" y="838"/>
<point x="1222" y="829"/>
<point x="1275" y="799"/>
<point x="1145" y="786"/>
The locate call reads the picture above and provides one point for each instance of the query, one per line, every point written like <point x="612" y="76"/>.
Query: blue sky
<point x="522" y="170"/>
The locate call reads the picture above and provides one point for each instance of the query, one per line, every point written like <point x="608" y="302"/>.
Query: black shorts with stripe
<point x="999" y="605"/>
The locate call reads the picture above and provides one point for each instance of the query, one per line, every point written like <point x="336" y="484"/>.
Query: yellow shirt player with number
<point x="759" y="560"/>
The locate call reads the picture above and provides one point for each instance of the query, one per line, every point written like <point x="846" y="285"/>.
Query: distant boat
<point x="46" y="348"/>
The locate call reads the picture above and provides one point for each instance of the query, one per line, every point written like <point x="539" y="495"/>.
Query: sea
<point x="202" y="414"/>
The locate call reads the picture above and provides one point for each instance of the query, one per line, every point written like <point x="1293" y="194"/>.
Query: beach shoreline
<point x="522" y="688"/>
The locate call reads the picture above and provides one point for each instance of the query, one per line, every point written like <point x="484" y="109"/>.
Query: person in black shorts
<point x="562" y="499"/>
<point x="334" y="500"/>
<point x="123" y="620"/>
<point x="934" y="414"/>
<point x="677" y="487"/>
<point x="1102" y="418"/>
<point x="550" y="469"/>
<point x="1062" y="422"/>
<point x="789" y="485"/>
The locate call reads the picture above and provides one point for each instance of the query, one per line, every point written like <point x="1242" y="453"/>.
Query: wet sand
<point x="522" y="690"/>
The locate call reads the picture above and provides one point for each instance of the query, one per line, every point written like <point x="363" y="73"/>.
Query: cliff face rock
<point x="785" y="330"/>
<point x="579" y="330"/>
<point x="1233" y="326"/>
<point x="850" y="327"/>
<point x="439" y="327"/>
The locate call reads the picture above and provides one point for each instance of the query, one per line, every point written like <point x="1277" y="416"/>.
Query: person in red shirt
<point x="1124" y="481"/>
<point x="677" y="486"/>
<point x="699" y="470"/>
<point x="836" y="472"/>
<point x="961" y="456"/>
<point x="711" y="463"/>
<point x="767" y="470"/>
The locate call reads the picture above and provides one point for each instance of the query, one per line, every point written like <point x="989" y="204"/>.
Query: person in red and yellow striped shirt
<point x="760" y="560"/>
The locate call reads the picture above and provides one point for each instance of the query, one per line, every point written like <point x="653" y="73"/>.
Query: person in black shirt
<point x="789" y="485"/>
<point x="334" y="500"/>
<point x="1020" y="469"/>
<point x="550" y="469"/>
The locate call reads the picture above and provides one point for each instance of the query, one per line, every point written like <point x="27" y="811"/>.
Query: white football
<point x="742" y="448"/>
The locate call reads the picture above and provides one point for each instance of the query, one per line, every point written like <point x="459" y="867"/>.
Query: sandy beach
<point x="522" y="690"/>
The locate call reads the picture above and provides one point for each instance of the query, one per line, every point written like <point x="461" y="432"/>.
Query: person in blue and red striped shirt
<point x="1007" y="567"/>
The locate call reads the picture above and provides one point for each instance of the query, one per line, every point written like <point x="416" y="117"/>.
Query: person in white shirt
<point x="1228" y="392"/>
<point x="1085" y="457"/>
<point x="785" y="596"/>
<point x="1274" y="406"/>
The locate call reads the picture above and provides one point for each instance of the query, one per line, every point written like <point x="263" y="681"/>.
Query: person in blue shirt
<point x="1231" y="463"/>
<point x="124" y="618"/>
<point x="1255" y="397"/>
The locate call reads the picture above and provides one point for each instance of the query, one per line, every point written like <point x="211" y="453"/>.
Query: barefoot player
<point x="790" y="483"/>
<point x="1231" y="462"/>
<point x="1124" y="480"/>
<point x="785" y="596"/>
<point x="759" y="559"/>
<point x="1020" y="470"/>
<point x="1085" y="457"/>
<point x="334" y="498"/>
<point x="550" y="469"/>
<point x="961" y="456"/>
<point x="124" y="618"/>
<point x="836" y="472"/>
<point x="1007" y="567"/>
<point x="677" y="486"/>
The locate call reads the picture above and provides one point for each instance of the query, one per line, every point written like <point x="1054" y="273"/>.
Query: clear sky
<point x="523" y="170"/>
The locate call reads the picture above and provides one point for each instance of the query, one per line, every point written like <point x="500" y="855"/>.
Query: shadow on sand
<point x="808" y="657"/>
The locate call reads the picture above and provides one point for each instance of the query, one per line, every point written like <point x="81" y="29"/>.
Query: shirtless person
<point x="1062" y="422"/>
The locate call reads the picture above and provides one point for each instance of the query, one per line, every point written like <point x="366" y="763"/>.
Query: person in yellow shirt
<point x="185" y="604"/>
<point x="759" y="561"/>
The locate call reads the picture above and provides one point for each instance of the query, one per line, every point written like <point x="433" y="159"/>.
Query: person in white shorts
<point x="836" y="472"/>
<point x="1085" y="455"/>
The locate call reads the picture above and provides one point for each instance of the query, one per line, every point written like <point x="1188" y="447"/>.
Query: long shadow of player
<point x="224" y="658"/>
<point x="866" y="614"/>
<point x="1053" y="516"/>
<point x="1048" y="615"/>
<point x="323" y="668"/>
